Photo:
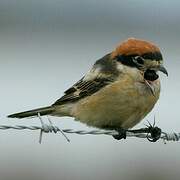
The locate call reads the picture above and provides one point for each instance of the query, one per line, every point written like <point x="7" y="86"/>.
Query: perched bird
<point x="118" y="92"/>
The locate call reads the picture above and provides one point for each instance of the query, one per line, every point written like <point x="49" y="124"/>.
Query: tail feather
<point x="42" y="111"/>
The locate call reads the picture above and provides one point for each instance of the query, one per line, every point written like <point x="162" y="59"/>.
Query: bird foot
<point x="153" y="132"/>
<point x="121" y="134"/>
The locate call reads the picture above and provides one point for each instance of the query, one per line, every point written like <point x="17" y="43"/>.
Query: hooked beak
<point x="163" y="69"/>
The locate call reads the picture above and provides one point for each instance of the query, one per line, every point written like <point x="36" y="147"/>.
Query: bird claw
<point x="121" y="134"/>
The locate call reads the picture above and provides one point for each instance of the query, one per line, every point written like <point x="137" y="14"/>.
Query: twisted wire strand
<point x="50" y="128"/>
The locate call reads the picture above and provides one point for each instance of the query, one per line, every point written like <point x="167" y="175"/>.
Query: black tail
<point x="42" y="111"/>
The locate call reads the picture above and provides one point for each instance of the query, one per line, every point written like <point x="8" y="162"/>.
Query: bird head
<point x="140" y="54"/>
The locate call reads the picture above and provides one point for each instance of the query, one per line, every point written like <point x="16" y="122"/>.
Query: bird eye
<point x="139" y="60"/>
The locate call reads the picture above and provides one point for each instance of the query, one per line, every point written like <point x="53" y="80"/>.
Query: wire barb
<point x="47" y="128"/>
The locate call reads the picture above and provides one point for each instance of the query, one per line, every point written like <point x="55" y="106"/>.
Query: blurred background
<point x="45" y="47"/>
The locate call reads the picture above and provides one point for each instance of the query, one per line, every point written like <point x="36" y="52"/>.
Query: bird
<point x="119" y="90"/>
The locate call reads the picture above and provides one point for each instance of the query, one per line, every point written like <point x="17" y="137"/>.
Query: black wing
<point x="101" y="75"/>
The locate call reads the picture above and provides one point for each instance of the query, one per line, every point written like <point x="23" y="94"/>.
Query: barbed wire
<point x="51" y="128"/>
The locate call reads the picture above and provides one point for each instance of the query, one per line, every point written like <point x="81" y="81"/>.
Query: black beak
<point x="163" y="69"/>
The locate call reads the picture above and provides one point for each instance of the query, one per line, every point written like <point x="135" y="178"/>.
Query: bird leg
<point x="121" y="134"/>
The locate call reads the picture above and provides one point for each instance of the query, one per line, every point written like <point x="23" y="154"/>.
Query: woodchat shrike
<point x="118" y="92"/>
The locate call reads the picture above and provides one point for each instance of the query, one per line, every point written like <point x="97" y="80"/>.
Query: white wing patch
<point x="92" y="74"/>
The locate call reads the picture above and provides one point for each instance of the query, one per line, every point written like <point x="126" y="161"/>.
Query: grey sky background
<point x="45" y="47"/>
